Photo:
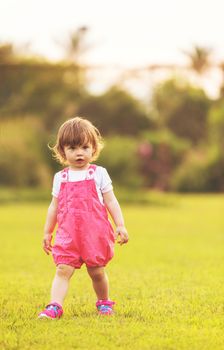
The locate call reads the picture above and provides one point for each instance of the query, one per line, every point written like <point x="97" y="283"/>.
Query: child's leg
<point x="100" y="282"/>
<point x="61" y="283"/>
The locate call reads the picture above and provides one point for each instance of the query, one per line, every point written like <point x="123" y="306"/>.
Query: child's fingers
<point x="47" y="246"/>
<point x="46" y="251"/>
<point x="123" y="241"/>
<point x="123" y="238"/>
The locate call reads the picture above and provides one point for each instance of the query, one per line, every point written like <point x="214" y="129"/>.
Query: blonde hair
<point x="77" y="132"/>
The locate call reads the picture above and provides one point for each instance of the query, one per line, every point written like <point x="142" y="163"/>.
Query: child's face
<point x="79" y="157"/>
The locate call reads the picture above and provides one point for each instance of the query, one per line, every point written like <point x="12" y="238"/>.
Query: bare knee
<point x="65" y="271"/>
<point x="97" y="274"/>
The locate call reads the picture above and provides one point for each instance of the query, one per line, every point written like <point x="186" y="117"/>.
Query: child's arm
<point x="50" y="225"/>
<point x="114" y="209"/>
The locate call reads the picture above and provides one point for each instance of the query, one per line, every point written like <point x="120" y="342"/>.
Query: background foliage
<point x="173" y="143"/>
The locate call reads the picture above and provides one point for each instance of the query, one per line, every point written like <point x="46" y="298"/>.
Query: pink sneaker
<point x="53" y="311"/>
<point x="105" y="307"/>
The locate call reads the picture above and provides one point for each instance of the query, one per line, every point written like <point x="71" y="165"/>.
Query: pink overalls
<point x="84" y="233"/>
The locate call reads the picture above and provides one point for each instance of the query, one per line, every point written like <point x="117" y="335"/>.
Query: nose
<point x="79" y="151"/>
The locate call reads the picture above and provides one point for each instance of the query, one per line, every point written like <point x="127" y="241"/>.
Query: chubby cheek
<point x="92" y="152"/>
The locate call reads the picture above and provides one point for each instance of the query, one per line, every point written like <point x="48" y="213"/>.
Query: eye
<point x="85" y="147"/>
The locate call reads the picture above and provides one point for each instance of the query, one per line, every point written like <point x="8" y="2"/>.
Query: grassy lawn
<point x="168" y="282"/>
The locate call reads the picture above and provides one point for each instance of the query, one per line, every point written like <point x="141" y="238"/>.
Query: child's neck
<point x="79" y="168"/>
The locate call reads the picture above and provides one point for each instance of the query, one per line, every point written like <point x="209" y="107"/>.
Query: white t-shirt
<point x="102" y="180"/>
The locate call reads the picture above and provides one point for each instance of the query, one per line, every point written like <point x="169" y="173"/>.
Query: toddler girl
<point x="82" y="194"/>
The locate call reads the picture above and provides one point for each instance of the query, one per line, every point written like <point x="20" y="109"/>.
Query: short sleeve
<point x="106" y="182"/>
<point x="56" y="185"/>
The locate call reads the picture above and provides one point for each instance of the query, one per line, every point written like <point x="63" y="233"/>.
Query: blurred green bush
<point x="201" y="171"/>
<point x="21" y="155"/>
<point x="121" y="160"/>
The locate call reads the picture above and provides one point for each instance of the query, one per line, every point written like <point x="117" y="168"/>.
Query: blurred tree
<point x="43" y="89"/>
<point x="202" y="170"/>
<point x="116" y="112"/>
<point x="76" y="47"/>
<point x="216" y="124"/>
<point x="200" y="59"/>
<point x="7" y="53"/>
<point x="221" y="93"/>
<point x="181" y="108"/>
<point x="21" y="153"/>
<point x="38" y="87"/>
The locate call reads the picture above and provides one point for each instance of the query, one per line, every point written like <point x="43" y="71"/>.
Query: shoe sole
<point x="43" y="316"/>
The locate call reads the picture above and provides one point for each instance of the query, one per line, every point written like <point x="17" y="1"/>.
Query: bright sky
<point x="130" y="33"/>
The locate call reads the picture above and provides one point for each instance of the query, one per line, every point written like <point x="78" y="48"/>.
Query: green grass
<point x="168" y="282"/>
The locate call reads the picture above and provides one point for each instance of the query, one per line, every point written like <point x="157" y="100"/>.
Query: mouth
<point x="79" y="160"/>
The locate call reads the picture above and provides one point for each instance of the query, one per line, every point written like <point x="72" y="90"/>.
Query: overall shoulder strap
<point x="90" y="172"/>
<point x="64" y="175"/>
<point x="92" y="166"/>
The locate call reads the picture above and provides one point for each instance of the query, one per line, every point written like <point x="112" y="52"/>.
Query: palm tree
<point x="75" y="49"/>
<point x="76" y="46"/>
<point x="200" y="59"/>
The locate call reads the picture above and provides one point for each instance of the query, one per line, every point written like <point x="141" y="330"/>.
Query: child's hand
<point x="122" y="232"/>
<point x="47" y="247"/>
